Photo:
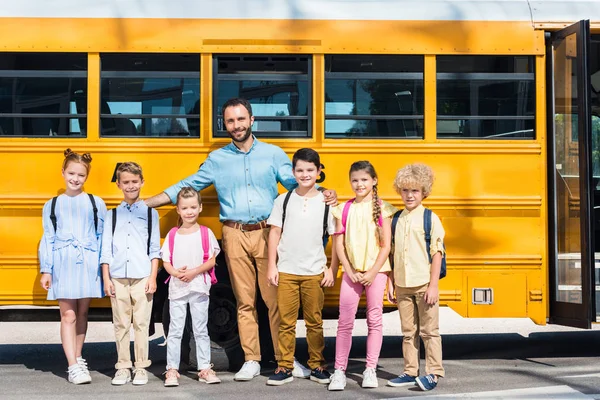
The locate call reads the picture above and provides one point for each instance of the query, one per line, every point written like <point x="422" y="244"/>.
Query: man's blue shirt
<point x="127" y="252"/>
<point x="246" y="183"/>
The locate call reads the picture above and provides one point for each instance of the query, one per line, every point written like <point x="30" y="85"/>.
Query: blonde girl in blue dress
<point x="69" y="258"/>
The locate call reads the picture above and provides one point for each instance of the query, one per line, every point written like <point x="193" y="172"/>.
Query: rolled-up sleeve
<point x="285" y="175"/>
<point x="203" y="178"/>
<point x="47" y="242"/>
<point x="437" y="236"/>
<point x="155" y="240"/>
<point x="106" y="255"/>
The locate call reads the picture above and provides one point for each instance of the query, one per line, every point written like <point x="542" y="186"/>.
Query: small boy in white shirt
<point x="298" y="266"/>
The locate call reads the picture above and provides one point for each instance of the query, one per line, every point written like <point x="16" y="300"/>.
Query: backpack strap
<point x="149" y="229"/>
<point x="325" y="223"/>
<point x="171" y="239"/>
<point x="206" y="251"/>
<point x="53" y="214"/>
<point x="114" y="221"/>
<point x="345" y="213"/>
<point x="285" y="203"/>
<point x="205" y="244"/>
<point x="91" y="196"/>
<point x="427" y="229"/>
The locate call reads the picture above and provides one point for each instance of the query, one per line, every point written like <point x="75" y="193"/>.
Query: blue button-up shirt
<point x="127" y="252"/>
<point x="246" y="183"/>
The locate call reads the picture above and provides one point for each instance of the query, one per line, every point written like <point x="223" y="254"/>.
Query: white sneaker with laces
<point x="370" y="378"/>
<point x="140" y="376"/>
<point x="122" y="376"/>
<point x="300" y="371"/>
<point x="77" y="375"/>
<point x="83" y="364"/>
<point x="249" y="370"/>
<point x="338" y="381"/>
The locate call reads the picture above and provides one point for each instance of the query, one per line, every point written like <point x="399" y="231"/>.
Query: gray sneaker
<point x="122" y="376"/>
<point x="338" y="381"/>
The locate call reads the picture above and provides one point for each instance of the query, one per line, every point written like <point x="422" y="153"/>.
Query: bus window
<point x="277" y="87"/>
<point x="374" y="96"/>
<point x="485" y="97"/>
<point x="43" y="94"/>
<point x="151" y="95"/>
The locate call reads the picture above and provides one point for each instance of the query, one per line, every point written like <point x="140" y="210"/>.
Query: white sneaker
<point x="338" y="380"/>
<point x="140" y="376"/>
<point x="249" y="370"/>
<point x="300" y="371"/>
<point x="370" y="378"/>
<point x="122" y="376"/>
<point x="77" y="375"/>
<point x="83" y="364"/>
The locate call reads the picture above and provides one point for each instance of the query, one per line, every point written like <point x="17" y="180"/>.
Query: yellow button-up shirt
<point x="360" y="239"/>
<point x="411" y="263"/>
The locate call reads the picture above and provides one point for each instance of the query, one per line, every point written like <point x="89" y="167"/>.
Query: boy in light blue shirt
<point x="129" y="259"/>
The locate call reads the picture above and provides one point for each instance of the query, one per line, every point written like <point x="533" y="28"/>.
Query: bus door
<point x="571" y="250"/>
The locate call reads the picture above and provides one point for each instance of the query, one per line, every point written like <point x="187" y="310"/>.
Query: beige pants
<point x="419" y="319"/>
<point x="131" y="302"/>
<point x="246" y="255"/>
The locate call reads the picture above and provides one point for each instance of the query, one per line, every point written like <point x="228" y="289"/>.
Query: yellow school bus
<point x="500" y="98"/>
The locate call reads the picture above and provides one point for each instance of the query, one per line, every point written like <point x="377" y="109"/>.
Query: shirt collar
<point x="134" y="206"/>
<point x="416" y="209"/>
<point x="235" y="149"/>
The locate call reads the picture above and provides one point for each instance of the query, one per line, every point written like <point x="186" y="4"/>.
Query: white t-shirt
<point x="300" y="250"/>
<point x="188" y="252"/>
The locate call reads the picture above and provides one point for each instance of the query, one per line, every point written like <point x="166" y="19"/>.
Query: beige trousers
<point x="419" y="319"/>
<point x="246" y="255"/>
<point x="131" y="303"/>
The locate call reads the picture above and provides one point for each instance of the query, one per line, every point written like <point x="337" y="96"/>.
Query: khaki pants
<point x="246" y="255"/>
<point x="419" y="319"/>
<point x="131" y="301"/>
<point x="292" y="290"/>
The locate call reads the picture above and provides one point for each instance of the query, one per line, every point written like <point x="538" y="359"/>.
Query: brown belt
<point x="246" y="227"/>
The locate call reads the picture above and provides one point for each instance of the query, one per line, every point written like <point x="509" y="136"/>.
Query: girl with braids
<point x="363" y="244"/>
<point x="69" y="256"/>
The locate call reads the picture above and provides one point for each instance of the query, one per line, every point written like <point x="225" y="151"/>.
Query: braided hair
<point x="369" y="169"/>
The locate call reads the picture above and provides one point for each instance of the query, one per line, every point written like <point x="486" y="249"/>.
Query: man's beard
<point x="243" y="138"/>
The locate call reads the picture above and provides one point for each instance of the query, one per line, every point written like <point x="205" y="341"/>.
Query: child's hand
<point x="109" y="288"/>
<point x="368" y="277"/>
<point x="330" y="197"/>
<point x="273" y="276"/>
<point x="391" y="291"/>
<point x="354" y="275"/>
<point x="46" y="281"/>
<point x="432" y="295"/>
<point x="151" y="285"/>
<point x="188" y="274"/>
<point x="328" y="279"/>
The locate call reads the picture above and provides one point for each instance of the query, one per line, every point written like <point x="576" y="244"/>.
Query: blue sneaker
<point x="320" y="375"/>
<point x="280" y="377"/>
<point x="427" y="382"/>
<point x="402" y="380"/>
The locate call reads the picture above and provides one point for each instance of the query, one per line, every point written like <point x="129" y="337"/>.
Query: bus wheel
<point x="222" y="323"/>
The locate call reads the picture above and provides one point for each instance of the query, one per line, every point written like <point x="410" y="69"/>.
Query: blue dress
<point x="72" y="253"/>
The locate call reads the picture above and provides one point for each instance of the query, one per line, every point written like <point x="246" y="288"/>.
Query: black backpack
<point x="325" y="216"/>
<point x="114" y="225"/>
<point x="53" y="214"/>
<point x="427" y="228"/>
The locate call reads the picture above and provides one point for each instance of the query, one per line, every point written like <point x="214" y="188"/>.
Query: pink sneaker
<point x="208" y="376"/>
<point x="172" y="378"/>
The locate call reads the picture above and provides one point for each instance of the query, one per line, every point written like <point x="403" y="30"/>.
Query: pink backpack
<point x="205" y="249"/>
<point x="345" y="212"/>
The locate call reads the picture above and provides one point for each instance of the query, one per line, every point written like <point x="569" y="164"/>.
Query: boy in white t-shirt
<point x="298" y="266"/>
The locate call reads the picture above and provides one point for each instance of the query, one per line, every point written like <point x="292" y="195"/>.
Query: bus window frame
<point x="217" y="134"/>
